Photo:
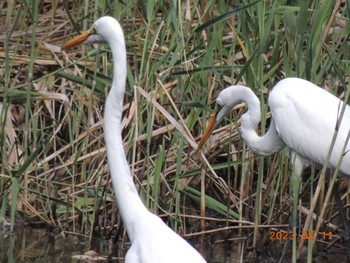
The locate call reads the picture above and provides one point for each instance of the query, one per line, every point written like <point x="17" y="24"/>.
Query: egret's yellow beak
<point x="207" y="132"/>
<point x="78" y="40"/>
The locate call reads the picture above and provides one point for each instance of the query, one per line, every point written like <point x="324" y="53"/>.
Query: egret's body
<point x="152" y="241"/>
<point x="314" y="116"/>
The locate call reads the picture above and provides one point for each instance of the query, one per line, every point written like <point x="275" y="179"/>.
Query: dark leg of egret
<point x="342" y="215"/>
<point x="298" y="168"/>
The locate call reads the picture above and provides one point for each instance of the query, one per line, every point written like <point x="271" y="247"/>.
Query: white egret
<point x="151" y="239"/>
<point x="304" y="118"/>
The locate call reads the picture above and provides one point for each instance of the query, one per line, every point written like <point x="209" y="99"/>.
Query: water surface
<point x="40" y="245"/>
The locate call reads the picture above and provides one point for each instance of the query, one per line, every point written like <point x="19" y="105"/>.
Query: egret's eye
<point x="92" y="30"/>
<point x="217" y="107"/>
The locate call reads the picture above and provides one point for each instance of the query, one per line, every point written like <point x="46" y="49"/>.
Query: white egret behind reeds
<point x="152" y="241"/>
<point x="304" y="118"/>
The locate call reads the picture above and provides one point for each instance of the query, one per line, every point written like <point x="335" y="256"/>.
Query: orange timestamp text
<point x="305" y="235"/>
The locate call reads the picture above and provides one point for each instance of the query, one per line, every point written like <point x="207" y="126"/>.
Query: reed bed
<point x="54" y="169"/>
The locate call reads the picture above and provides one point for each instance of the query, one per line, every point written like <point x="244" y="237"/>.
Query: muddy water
<point x="40" y="245"/>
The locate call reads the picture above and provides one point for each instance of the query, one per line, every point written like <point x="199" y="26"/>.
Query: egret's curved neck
<point x="129" y="202"/>
<point x="263" y="145"/>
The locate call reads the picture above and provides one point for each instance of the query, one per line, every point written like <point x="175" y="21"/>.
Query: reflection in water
<point x="37" y="245"/>
<point x="40" y="245"/>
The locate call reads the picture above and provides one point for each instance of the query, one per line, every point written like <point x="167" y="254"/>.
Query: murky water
<point x="39" y="245"/>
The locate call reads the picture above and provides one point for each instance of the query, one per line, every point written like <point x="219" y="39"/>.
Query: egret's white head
<point x="105" y="30"/>
<point x="227" y="99"/>
<point x="101" y="31"/>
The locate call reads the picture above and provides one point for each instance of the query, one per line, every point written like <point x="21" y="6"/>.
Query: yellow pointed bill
<point x="207" y="132"/>
<point x="77" y="40"/>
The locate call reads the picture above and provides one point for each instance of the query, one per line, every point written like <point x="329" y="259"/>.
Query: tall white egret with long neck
<point x="304" y="118"/>
<point x="152" y="241"/>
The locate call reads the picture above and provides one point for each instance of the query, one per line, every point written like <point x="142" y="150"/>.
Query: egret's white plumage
<point x="304" y="118"/>
<point x="152" y="241"/>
